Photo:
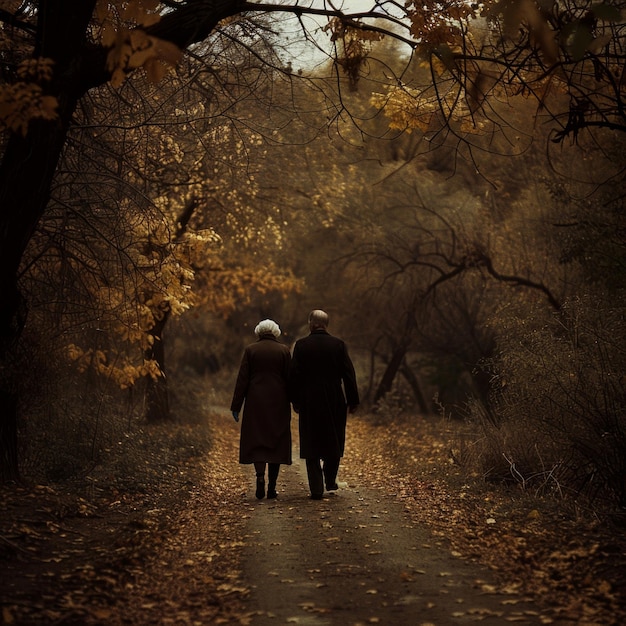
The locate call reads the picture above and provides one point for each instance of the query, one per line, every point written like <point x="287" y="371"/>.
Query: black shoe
<point x="271" y="492"/>
<point x="260" y="487"/>
<point x="316" y="496"/>
<point x="332" y="487"/>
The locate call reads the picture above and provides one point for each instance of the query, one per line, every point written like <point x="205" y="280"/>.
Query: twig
<point x="514" y="471"/>
<point x="14" y="545"/>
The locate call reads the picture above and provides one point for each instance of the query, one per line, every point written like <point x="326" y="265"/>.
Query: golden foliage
<point x="478" y="47"/>
<point x="115" y="366"/>
<point x="26" y="99"/>
<point x="227" y="288"/>
<point x="434" y="23"/>
<point x="122" y="27"/>
<point x="133" y="300"/>
<point x="401" y="107"/>
<point x="172" y="273"/>
<point x="356" y="43"/>
<point x="409" y="109"/>
<point x="440" y="30"/>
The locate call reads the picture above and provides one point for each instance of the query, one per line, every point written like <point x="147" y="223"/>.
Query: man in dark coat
<point x="320" y="365"/>
<point x="266" y="423"/>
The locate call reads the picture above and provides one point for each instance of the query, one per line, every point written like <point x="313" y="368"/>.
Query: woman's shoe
<point x="271" y="491"/>
<point x="260" y="487"/>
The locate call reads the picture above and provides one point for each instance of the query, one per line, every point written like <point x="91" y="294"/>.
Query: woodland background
<point x="465" y="232"/>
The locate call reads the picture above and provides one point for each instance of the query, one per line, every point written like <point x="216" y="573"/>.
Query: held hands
<point x="236" y="415"/>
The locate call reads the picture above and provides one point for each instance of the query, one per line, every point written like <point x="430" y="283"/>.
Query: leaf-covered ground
<point x="568" y="559"/>
<point x="154" y="542"/>
<point x="162" y="540"/>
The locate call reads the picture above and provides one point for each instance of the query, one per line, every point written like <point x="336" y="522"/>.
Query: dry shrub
<point x="396" y="402"/>
<point x="69" y="420"/>
<point x="558" y="421"/>
<point x="75" y="425"/>
<point x="513" y="451"/>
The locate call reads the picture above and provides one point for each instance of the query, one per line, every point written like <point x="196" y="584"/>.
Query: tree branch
<point x="11" y="20"/>
<point x="518" y="281"/>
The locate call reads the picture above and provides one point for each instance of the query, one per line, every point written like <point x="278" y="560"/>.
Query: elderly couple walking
<point x="318" y="380"/>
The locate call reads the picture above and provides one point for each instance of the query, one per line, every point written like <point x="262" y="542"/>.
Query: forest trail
<point x="356" y="558"/>
<point x="404" y="541"/>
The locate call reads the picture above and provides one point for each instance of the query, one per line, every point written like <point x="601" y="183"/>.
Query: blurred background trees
<point x="456" y="206"/>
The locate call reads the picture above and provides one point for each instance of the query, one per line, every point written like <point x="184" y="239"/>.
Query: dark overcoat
<point x="322" y="383"/>
<point x="266" y="420"/>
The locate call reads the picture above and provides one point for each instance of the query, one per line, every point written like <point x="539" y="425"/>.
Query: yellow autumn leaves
<point x="119" y="370"/>
<point x="130" y="47"/>
<point x="120" y="26"/>
<point x="409" y="109"/>
<point x="25" y="99"/>
<point x="132" y="306"/>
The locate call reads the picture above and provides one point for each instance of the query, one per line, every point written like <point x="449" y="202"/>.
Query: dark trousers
<point x="322" y="472"/>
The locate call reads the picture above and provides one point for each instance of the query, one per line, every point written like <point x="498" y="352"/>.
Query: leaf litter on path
<point x="354" y="572"/>
<point x="195" y="547"/>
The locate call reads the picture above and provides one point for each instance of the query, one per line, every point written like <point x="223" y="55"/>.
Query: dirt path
<point x="190" y="545"/>
<point x="355" y="557"/>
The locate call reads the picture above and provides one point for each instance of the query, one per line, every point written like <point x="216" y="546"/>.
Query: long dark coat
<point x="266" y="420"/>
<point x="319" y="366"/>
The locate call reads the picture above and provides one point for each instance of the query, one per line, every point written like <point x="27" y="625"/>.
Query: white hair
<point x="267" y="326"/>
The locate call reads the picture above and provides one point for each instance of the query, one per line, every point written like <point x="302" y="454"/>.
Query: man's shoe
<point x="271" y="492"/>
<point x="260" y="487"/>
<point x="332" y="487"/>
<point x="316" y="496"/>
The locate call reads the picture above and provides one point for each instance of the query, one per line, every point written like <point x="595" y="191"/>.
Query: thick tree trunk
<point x="12" y="318"/>
<point x="30" y="162"/>
<point x="9" y="468"/>
<point x="26" y="176"/>
<point x="26" y="173"/>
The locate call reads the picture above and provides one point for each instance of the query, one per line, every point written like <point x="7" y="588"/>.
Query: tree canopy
<point x="458" y="75"/>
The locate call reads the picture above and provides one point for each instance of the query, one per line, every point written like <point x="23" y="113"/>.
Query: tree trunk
<point x="12" y="319"/>
<point x="411" y="378"/>
<point x="26" y="173"/>
<point x="389" y="375"/>
<point x="9" y="468"/>
<point x="30" y="161"/>
<point x="157" y="400"/>
<point x="398" y="356"/>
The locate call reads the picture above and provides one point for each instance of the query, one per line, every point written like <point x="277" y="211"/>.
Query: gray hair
<point x="318" y="318"/>
<point x="267" y="326"/>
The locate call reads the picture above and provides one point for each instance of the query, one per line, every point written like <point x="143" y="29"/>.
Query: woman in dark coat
<point x="266" y="422"/>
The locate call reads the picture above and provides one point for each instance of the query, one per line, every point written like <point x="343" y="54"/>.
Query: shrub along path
<point x="179" y="538"/>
